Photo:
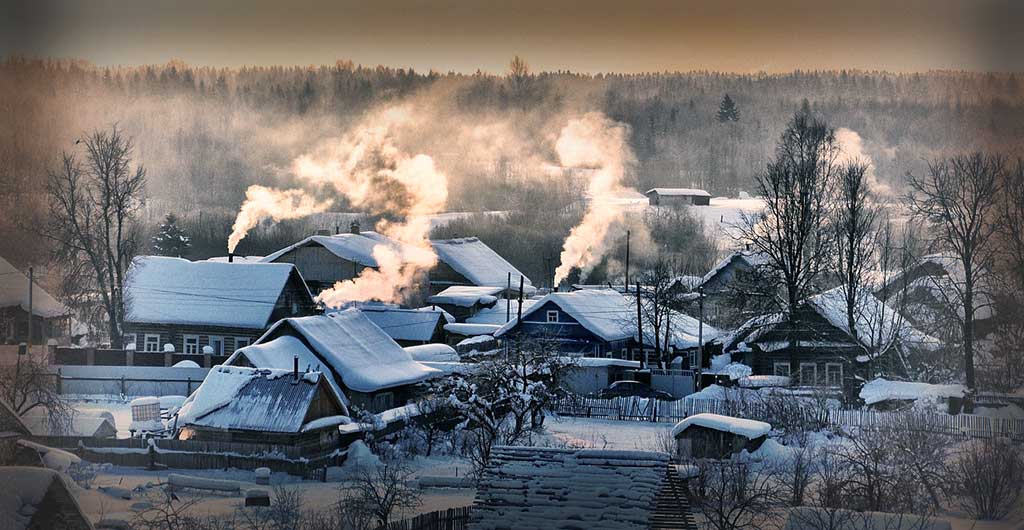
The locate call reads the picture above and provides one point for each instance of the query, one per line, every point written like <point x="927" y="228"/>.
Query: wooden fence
<point x="450" y="519"/>
<point x="650" y="410"/>
<point x="189" y="454"/>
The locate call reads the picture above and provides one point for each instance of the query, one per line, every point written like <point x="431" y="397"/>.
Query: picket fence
<point x="450" y="519"/>
<point x="650" y="410"/>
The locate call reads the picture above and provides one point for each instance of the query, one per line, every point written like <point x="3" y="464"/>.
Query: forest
<point x="205" y="134"/>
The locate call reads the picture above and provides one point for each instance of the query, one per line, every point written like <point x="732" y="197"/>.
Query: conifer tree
<point x="171" y="241"/>
<point x="727" y="110"/>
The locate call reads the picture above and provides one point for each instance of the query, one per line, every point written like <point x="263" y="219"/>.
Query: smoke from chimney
<point x="262" y="202"/>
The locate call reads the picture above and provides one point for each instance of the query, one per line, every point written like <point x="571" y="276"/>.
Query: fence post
<point x="188" y="386"/>
<point x="122" y="386"/>
<point x="60" y="381"/>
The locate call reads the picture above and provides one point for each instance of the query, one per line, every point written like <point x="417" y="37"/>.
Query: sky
<point x="743" y="36"/>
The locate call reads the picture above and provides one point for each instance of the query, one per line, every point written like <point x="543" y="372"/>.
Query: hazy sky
<point x="464" y="35"/>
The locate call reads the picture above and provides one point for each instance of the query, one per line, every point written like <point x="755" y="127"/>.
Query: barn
<point x="678" y="197"/>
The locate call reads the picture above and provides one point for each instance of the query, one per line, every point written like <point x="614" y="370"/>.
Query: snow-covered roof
<point x="480" y="264"/>
<point x="562" y="489"/>
<point x="177" y="291"/>
<point x="878" y="325"/>
<point x="22" y="491"/>
<point x="357" y="248"/>
<point x="404" y="324"/>
<point x="749" y="258"/>
<point x="611" y="316"/>
<point x="676" y="192"/>
<point x="496" y="313"/>
<point x="471" y="330"/>
<point x="14" y="292"/>
<point x="880" y="389"/>
<point x="432" y="353"/>
<point x="9" y="420"/>
<point x="467" y="295"/>
<point x="80" y="424"/>
<point x="366" y="358"/>
<point x="236" y="259"/>
<point x="252" y="399"/>
<point x="746" y="428"/>
<point x="280" y="353"/>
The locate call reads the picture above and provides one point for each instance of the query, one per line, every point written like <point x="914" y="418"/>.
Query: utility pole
<point x="519" y="317"/>
<point x="31" y="281"/>
<point x="640" y="327"/>
<point x="508" y="301"/>
<point x="626" y="283"/>
<point x="700" y="331"/>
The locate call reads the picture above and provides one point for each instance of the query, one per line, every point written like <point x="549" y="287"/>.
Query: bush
<point x="986" y="478"/>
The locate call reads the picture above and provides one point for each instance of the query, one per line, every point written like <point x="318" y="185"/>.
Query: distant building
<point x="678" y="196"/>
<point x="251" y="405"/>
<point x="718" y="437"/>
<point x="408" y="327"/>
<point x="738" y="287"/>
<point x="192" y="305"/>
<point x="465" y="301"/>
<point x="49" y="317"/>
<point x="361" y="362"/>
<point x="533" y="487"/>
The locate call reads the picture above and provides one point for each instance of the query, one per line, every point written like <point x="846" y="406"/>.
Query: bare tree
<point x="734" y="496"/>
<point x="797" y="186"/>
<point x="93" y="206"/>
<point x="29" y="385"/>
<point x="854" y="224"/>
<point x="659" y="296"/>
<point x="385" y="488"/>
<point x="958" y="197"/>
<point x="987" y="478"/>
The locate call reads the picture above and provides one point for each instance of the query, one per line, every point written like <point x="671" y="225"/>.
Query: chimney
<point x="354" y="227"/>
<point x="337" y="229"/>
<point x="295" y="368"/>
<point x="231" y="257"/>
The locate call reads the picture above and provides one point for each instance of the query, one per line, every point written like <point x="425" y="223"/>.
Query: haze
<point x="596" y="36"/>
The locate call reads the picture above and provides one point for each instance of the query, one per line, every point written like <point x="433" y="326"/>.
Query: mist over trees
<point x="205" y="134"/>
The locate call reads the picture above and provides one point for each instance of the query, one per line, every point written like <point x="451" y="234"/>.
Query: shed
<point x="715" y="436"/>
<point x="678" y="196"/>
<point x="408" y="327"/>
<point x="37" y="498"/>
<point x="465" y="301"/>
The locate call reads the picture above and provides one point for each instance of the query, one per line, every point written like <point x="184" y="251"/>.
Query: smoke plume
<point x="370" y="168"/>
<point x="851" y="148"/>
<point x="262" y="202"/>
<point x="593" y="142"/>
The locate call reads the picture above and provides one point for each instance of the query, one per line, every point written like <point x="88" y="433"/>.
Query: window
<point x="190" y="344"/>
<point x="781" y="369"/>
<point x="552" y="316"/>
<point x="834" y="374"/>
<point x="152" y="342"/>
<point x="217" y="343"/>
<point x="383" y="401"/>
<point x="295" y="308"/>
<point x="241" y="342"/>
<point x="808" y="374"/>
<point x="694" y="361"/>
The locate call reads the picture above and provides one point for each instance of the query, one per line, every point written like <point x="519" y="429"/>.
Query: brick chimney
<point x="354" y="227"/>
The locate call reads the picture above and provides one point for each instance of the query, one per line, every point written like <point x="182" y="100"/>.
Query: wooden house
<point x="564" y="489"/>
<point x="814" y="345"/>
<point x="36" y="498"/>
<point x="366" y="366"/>
<point x="718" y="437"/>
<point x="50" y="318"/>
<point x="678" y="197"/>
<point x="465" y="301"/>
<point x="266" y="406"/>
<point x="735" y="289"/>
<point x="408" y="327"/>
<point x="470" y="262"/>
<point x="192" y="305"/>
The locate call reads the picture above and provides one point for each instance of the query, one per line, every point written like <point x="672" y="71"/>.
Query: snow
<point x="14" y="292"/>
<point x="168" y="348"/>
<point x="81" y="424"/>
<point x="747" y="428"/>
<point x="762" y="381"/>
<point x="217" y="390"/>
<point x="403" y="324"/>
<point x="478" y="263"/>
<point x="811" y="518"/>
<point x="280" y="354"/>
<point x="753" y="260"/>
<point x="176" y="481"/>
<point x="326" y="421"/>
<point x="678" y="192"/>
<point x="366" y="358"/>
<point x="471" y="330"/>
<point x="881" y="389"/>
<point x="496" y="313"/>
<point x="55" y="459"/>
<point x="594" y="362"/>
<point x="433" y="352"/>
<point x="187" y="364"/>
<point x="472" y="341"/>
<point x="177" y="291"/>
<point x="448" y="318"/>
<point x="22" y="489"/>
<point x="467" y="295"/>
<point x="359" y="455"/>
<point x="603" y="312"/>
<point x="878" y="326"/>
<point x="736" y="371"/>
<point x="143" y="401"/>
<point x="357" y="248"/>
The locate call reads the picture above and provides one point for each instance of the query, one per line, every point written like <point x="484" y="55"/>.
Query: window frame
<point x="209" y="342"/>
<point x="812" y="365"/>
<point x="548" y="314"/>
<point x="185" y="344"/>
<point x="145" y="342"/>
<point x="828" y="382"/>
<point x="383" y="401"/>
<point x="787" y="364"/>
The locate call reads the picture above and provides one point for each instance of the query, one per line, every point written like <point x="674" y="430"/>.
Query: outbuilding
<point x="678" y="196"/>
<point x="719" y="437"/>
